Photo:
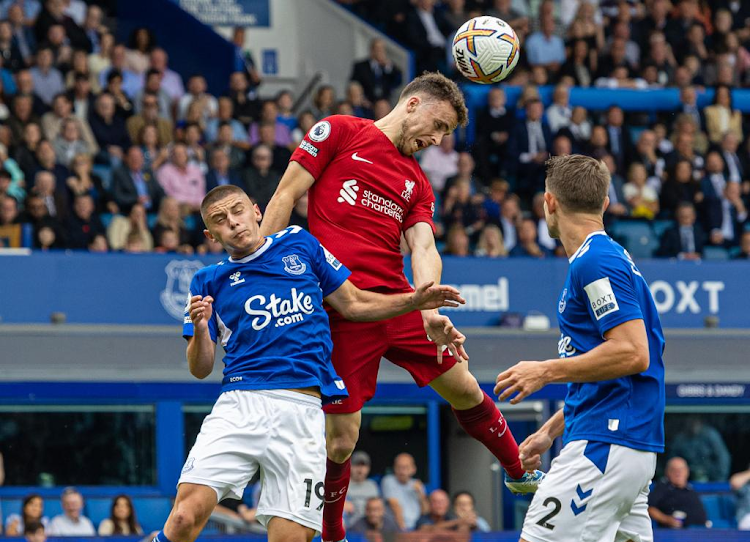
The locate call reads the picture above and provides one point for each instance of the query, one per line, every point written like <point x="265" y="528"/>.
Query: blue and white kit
<point x="597" y="488"/>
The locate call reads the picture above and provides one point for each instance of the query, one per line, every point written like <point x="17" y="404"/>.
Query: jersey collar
<point x="589" y="236"/>
<point x="256" y="254"/>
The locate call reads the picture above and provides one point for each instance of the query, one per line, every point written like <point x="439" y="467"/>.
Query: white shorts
<point x="594" y="492"/>
<point x="280" y="432"/>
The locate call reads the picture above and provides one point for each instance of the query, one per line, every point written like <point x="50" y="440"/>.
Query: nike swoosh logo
<point x="360" y="159"/>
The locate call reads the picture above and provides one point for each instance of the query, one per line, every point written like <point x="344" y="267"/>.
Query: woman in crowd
<point x="32" y="511"/>
<point x="122" y="520"/>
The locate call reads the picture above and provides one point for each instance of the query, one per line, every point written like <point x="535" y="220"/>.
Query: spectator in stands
<point x="132" y="182"/>
<point x="494" y="124"/>
<point x="457" y="241"/>
<point x="355" y="96"/>
<point x="122" y="519"/>
<point x="56" y="200"/>
<point x="510" y="217"/>
<point x="122" y="228"/>
<point x="685" y="239"/>
<point x="170" y="219"/>
<point x="246" y="104"/>
<point x="48" y="81"/>
<point x="69" y="143"/>
<point x="490" y="243"/>
<point x="9" y="213"/>
<point x="734" y="169"/>
<point x="689" y="106"/>
<point x="724" y="209"/>
<point x="504" y="9"/>
<point x="269" y="115"/>
<point x="34" y="532"/>
<point x="744" y="254"/>
<point x="37" y="215"/>
<point x="129" y="82"/>
<point x="361" y="488"/>
<point x="261" y="179"/>
<point x="463" y="507"/>
<point x="721" y="117"/>
<point x="681" y="23"/>
<point x="100" y="62"/>
<point x="559" y="113"/>
<point x="109" y="131"/>
<point x="378" y="75"/>
<point x="646" y="153"/>
<point x="220" y="172"/>
<point x="323" y="102"/>
<point x="375" y="522"/>
<point x="93" y="28"/>
<point x="21" y="116"/>
<point x="46" y="160"/>
<point x="182" y="180"/>
<point x="9" y="51"/>
<point x="404" y="494"/>
<point x="83" y="224"/>
<point x="462" y="207"/>
<point x="673" y="502"/>
<point x="32" y="511"/>
<point x="80" y="95"/>
<point x="171" y="81"/>
<point x="642" y="198"/>
<point x="704" y="450"/>
<point x="23" y="35"/>
<point x="684" y="150"/>
<point x="25" y="149"/>
<point x="192" y="138"/>
<point x="529" y="148"/>
<point x="123" y="103"/>
<point x="527" y="245"/>
<point x="381" y="109"/>
<point x="618" y="137"/>
<point x="466" y="173"/>
<point x="152" y="85"/>
<point x="281" y="154"/>
<point x="141" y="44"/>
<point x="740" y="482"/>
<point x="285" y="103"/>
<point x="224" y="142"/>
<point x="150" y="115"/>
<point x="25" y="86"/>
<point x="84" y="181"/>
<point x="71" y="522"/>
<point x="660" y="55"/>
<point x="98" y="244"/>
<point x="439" y="517"/>
<point x="680" y="187"/>
<point x="579" y="129"/>
<point x="226" y="115"/>
<point x="545" y="48"/>
<point x="440" y="162"/>
<point x="62" y="110"/>
<point x="426" y="34"/>
<point x="197" y="88"/>
<point x="299" y="213"/>
<point x="577" y="69"/>
<point x="154" y="154"/>
<point x="542" y="231"/>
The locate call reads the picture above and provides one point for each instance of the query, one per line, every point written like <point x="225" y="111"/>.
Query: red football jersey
<point x="366" y="193"/>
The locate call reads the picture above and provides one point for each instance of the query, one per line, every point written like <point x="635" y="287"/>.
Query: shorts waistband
<point x="288" y="395"/>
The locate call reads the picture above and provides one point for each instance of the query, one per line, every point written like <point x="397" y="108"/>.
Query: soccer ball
<point x="485" y="49"/>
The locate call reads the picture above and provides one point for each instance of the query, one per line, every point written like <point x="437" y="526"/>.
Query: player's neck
<point x="390" y="125"/>
<point x="244" y="253"/>
<point x="576" y="229"/>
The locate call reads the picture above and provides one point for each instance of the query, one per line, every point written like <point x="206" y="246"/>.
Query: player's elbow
<point x="639" y="359"/>
<point x="200" y="372"/>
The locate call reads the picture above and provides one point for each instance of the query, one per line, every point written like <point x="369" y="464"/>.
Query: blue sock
<point x="161" y="537"/>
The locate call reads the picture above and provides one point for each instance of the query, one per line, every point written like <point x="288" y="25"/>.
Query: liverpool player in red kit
<point x="366" y="190"/>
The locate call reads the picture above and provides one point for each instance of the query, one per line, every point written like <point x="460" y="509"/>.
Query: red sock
<point x="337" y="484"/>
<point x="485" y="423"/>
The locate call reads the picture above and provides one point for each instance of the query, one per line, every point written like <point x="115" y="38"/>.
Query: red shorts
<point x="359" y="346"/>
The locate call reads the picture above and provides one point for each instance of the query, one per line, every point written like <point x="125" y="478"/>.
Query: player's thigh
<point x="292" y="469"/>
<point x="231" y="438"/>
<point x="637" y="526"/>
<point x="357" y="349"/>
<point x="342" y="433"/>
<point x="284" y="530"/>
<point x="409" y="348"/>
<point x="589" y="490"/>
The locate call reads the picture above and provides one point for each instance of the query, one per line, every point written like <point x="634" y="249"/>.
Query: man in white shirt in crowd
<point x="71" y="522"/>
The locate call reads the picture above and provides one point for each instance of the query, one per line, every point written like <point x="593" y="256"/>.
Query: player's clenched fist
<point x="200" y="310"/>
<point x="530" y="450"/>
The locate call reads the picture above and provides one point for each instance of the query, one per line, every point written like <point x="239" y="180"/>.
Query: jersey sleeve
<point x="424" y="207"/>
<point x="198" y="287"/>
<point x="331" y="273"/>
<point x="321" y="144"/>
<point x="607" y="284"/>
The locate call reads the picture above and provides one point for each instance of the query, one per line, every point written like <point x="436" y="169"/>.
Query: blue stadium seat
<point x="52" y="507"/>
<point x="715" y="254"/>
<point x="98" y="508"/>
<point x="151" y="219"/>
<point x="660" y="226"/>
<point x="720" y="510"/>
<point x="10" y="506"/>
<point x="637" y="237"/>
<point x="106" y="219"/>
<point x="152" y="512"/>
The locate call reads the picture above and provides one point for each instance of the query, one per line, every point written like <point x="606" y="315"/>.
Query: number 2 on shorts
<point x="556" y="510"/>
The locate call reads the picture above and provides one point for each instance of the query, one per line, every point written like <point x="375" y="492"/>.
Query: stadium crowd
<point x="104" y="147"/>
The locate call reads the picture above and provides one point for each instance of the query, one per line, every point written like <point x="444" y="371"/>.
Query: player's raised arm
<point x="201" y="349"/>
<point x="293" y="185"/>
<point x="364" y="306"/>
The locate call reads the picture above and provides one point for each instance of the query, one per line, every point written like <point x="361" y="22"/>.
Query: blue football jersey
<point x="603" y="290"/>
<point x="268" y="315"/>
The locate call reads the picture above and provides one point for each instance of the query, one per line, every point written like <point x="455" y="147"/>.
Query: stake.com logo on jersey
<point x="350" y="191"/>
<point x="284" y="311"/>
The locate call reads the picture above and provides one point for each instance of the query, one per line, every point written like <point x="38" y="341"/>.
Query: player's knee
<point x="464" y="392"/>
<point x="183" y="520"/>
<point x="341" y="446"/>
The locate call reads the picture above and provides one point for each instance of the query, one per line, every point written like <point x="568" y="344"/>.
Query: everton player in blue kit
<point x="611" y="346"/>
<point x="264" y="305"/>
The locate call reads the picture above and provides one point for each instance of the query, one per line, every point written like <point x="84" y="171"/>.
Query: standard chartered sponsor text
<point x="383" y="205"/>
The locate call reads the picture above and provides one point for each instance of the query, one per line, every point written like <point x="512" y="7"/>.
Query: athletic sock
<point x="485" y="423"/>
<point x="161" y="537"/>
<point x="337" y="484"/>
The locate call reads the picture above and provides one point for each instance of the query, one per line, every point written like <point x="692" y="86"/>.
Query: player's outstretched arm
<point x="201" y="350"/>
<point x="293" y="185"/>
<point x="364" y="306"/>
<point x="624" y="352"/>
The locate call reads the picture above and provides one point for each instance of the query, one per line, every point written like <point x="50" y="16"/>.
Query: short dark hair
<point x="218" y="194"/>
<point x="32" y="527"/>
<point x="464" y="492"/>
<point x="438" y="86"/>
<point x="580" y="183"/>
